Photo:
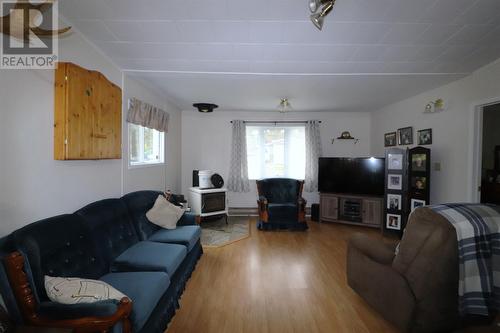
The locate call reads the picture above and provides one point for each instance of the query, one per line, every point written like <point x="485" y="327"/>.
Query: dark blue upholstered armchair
<point x="280" y="204"/>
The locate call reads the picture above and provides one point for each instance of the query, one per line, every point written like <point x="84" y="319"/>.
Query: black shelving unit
<point x="407" y="185"/>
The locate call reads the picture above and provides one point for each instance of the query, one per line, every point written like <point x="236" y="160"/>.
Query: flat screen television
<point x="362" y="176"/>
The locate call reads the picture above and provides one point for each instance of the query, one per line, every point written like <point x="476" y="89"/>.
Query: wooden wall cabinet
<point x="87" y="115"/>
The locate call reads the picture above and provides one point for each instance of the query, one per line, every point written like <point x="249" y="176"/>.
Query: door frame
<point x="476" y="146"/>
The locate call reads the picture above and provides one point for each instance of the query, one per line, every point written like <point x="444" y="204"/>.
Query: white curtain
<point x="238" y="173"/>
<point x="147" y="115"/>
<point x="313" y="153"/>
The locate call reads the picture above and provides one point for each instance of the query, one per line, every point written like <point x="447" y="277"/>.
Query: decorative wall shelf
<point x="346" y="136"/>
<point x="354" y="140"/>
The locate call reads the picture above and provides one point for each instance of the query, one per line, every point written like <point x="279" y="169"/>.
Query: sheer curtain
<point x="313" y="153"/>
<point x="238" y="173"/>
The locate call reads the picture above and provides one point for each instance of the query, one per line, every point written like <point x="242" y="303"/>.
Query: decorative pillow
<point x="164" y="213"/>
<point x="75" y="290"/>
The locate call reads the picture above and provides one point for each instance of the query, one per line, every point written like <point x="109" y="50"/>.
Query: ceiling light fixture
<point x="205" y="107"/>
<point x="317" y="18"/>
<point x="284" y="105"/>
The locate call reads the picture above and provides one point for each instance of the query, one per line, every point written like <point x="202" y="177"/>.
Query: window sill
<point x="148" y="165"/>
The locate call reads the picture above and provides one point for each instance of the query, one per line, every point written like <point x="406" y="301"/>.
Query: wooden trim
<point x="262" y="205"/>
<point x="14" y="266"/>
<point x="302" y="204"/>
<point x="302" y="210"/>
<point x="263" y="214"/>
<point x="60" y="116"/>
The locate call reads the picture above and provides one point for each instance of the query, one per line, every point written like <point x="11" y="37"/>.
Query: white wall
<point x="159" y="177"/>
<point x="206" y="142"/>
<point x="452" y="129"/>
<point x="32" y="184"/>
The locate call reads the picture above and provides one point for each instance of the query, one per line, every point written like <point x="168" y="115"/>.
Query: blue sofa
<point x="110" y="240"/>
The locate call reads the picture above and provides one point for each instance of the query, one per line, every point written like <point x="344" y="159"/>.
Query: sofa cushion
<point x="164" y="214"/>
<point x="138" y="203"/>
<point x="186" y="235"/>
<point x="144" y="289"/>
<point x="111" y="227"/>
<point x="151" y="256"/>
<point x="283" y="212"/>
<point x="76" y="290"/>
<point x="59" y="246"/>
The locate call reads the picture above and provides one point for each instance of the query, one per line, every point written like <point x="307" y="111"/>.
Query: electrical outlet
<point x="437" y="166"/>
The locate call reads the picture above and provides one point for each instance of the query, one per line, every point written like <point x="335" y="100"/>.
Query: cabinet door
<point x="329" y="207"/>
<point x="372" y="211"/>
<point x="106" y="133"/>
<point x="79" y="114"/>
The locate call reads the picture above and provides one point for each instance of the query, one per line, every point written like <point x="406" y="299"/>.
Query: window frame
<point x="143" y="164"/>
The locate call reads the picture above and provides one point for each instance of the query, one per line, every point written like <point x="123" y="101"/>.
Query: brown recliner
<point x="417" y="289"/>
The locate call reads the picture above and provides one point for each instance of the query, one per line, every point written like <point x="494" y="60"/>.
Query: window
<point x="146" y="145"/>
<point x="276" y="151"/>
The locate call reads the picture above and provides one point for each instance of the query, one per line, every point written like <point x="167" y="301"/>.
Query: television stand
<point x="352" y="209"/>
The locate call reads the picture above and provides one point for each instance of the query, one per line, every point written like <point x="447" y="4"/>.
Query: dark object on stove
<point x="196" y="178"/>
<point x="217" y="180"/>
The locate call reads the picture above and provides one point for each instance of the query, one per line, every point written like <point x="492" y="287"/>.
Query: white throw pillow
<point x="164" y="213"/>
<point x="75" y="290"/>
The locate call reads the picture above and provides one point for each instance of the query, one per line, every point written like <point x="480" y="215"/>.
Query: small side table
<point x="208" y="202"/>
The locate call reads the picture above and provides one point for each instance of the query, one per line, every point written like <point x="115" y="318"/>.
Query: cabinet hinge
<point x="65" y="141"/>
<point x="66" y="78"/>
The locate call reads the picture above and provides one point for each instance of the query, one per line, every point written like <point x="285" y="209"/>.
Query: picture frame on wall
<point x="425" y="137"/>
<point x="395" y="161"/>
<point x="390" y="139"/>
<point x="419" y="162"/>
<point x="419" y="183"/>
<point x="415" y="203"/>
<point x="405" y="136"/>
<point x="394" y="201"/>
<point x="393" y="222"/>
<point x="395" y="182"/>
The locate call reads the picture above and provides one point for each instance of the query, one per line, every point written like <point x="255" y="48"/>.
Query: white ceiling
<point x="245" y="55"/>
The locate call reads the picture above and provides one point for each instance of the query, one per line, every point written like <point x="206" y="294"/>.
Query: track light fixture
<point x="315" y="4"/>
<point x="317" y="18"/>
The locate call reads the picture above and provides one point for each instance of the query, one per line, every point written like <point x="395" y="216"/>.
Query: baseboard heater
<point x="251" y="211"/>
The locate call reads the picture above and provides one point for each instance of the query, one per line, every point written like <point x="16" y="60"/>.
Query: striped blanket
<point x="478" y="235"/>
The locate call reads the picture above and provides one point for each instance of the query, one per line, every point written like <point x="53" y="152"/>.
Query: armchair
<point x="417" y="288"/>
<point x="280" y="204"/>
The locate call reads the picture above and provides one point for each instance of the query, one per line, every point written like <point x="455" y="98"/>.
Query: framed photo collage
<point x="407" y="185"/>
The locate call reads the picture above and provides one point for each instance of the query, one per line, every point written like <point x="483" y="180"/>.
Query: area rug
<point x="217" y="233"/>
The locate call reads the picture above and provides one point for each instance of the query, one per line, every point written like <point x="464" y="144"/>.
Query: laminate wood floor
<point x="278" y="282"/>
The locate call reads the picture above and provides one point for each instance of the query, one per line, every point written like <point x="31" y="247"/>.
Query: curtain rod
<point x="275" y="122"/>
